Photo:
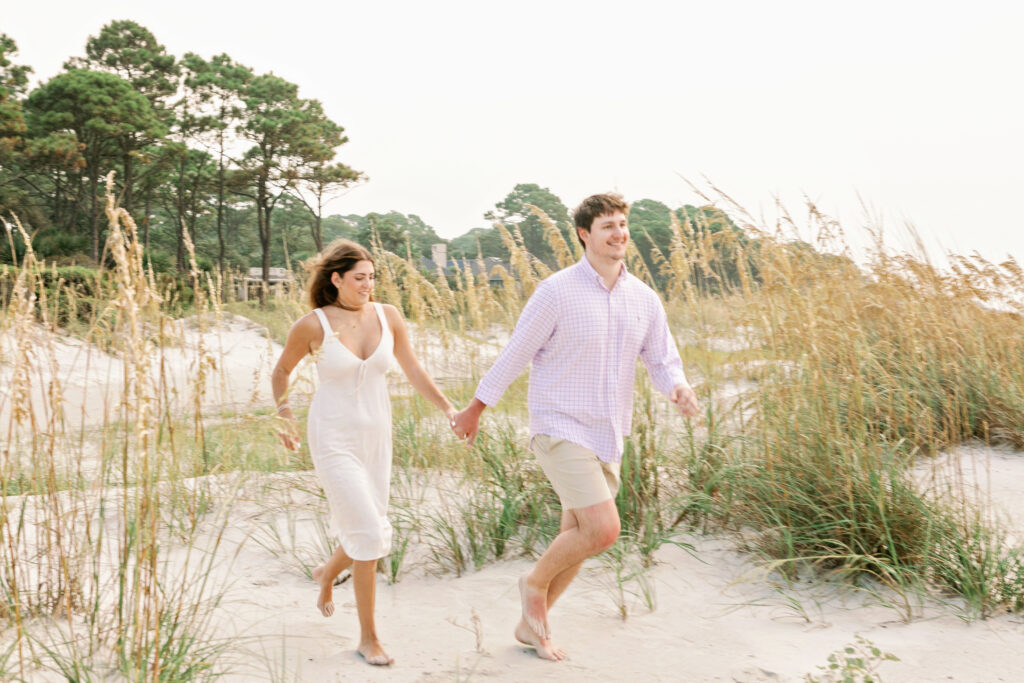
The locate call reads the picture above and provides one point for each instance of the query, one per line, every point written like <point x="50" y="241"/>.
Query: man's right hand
<point x="685" y="399"/>
<point x="466" y="422"/>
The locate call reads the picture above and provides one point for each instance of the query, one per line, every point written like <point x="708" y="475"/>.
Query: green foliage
<point x="515" y="503"/>
<point x="856" y="663"/>
<point x="973" y="560"/>
<point x="286" y="134"/>
<point x="650" y="227"/>
<point x="217" y="82"/>
<point x="56" y="244"/>
<point x="318" y="182"/>
<point x="513" y="209"/>
<point x="99" y="108"/>
<point x="132" y="52"/>
<point x="723" y="254"/>
<point x="394" y="230"/>
<point x="627" y="576"/>
<point x="214" y="90"/>
<point x="339" y="227"/>
<point x="107" y="117"/>
<point x="172" y="165"/>
<point x="17" y="149"/>
<point x="68" y="296"/>
<point x="483" y="242"/>
<point x="13" y="79"/>
<point x="166" y="128"/>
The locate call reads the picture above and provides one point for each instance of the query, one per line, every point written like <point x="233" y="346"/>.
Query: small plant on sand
<point x="626" y="577"/>
<point x="405" y="528"/>
<point x="856" y="663"/>
<point x="294" y="529"/>
<point x="445" y="538"/>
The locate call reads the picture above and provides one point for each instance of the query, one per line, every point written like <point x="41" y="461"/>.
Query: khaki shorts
<point x="579" y="477"/>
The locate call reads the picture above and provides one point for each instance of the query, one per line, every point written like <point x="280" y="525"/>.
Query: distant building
<point x="251" y="283"/>
<point x="439" y="253"/>
<point x="488" y="267"/>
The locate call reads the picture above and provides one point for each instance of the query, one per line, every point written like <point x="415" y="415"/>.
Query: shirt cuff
<point x="487" y="395"/>
<point x="670" y="380"/>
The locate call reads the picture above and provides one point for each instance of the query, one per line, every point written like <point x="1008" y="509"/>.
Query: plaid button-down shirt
<point x="583" y="340"/>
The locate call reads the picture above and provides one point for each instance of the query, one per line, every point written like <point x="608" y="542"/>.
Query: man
<point x="582" y="329"/>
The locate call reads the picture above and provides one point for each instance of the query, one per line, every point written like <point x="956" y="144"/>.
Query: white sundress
<point x="349" y="431"/>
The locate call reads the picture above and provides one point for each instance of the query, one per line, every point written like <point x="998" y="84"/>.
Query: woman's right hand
<point x="288" y="433"/>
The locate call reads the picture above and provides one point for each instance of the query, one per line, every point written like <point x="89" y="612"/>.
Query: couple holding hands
<point x="582" y="330"/>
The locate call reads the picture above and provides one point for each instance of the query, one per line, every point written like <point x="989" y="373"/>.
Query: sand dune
<point x="717" y="616"/>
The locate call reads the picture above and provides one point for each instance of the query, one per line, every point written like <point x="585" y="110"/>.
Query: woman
<point x="349" y="424"/>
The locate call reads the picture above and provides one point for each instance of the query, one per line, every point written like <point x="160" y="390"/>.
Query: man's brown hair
<point x="595" y="206"/>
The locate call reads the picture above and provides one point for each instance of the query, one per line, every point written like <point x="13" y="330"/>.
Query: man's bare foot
<point x="535" y="608"/>
<point x="543" y="646"/>
<point x="325" y="601"/>
<point x="374" y="654"/>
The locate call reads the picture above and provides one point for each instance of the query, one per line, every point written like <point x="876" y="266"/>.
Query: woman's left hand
<point x="449" y="415"/>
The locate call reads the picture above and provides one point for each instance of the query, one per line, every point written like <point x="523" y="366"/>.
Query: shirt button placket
<point x="613" y="364"/>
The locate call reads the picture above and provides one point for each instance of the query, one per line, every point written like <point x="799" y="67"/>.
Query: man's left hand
<point x="685" y="400"/>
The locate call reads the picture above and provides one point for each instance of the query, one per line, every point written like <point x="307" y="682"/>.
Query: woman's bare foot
<point x="325" y="601"/>
<point x="543" y="646"/>
<point x="374" y="654"/>
<point x="535" y="608"/>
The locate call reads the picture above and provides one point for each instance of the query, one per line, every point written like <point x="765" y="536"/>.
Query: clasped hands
<point x="465" y="423"/>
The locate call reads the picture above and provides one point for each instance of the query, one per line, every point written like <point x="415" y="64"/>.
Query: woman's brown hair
<point x="337" y="257"/>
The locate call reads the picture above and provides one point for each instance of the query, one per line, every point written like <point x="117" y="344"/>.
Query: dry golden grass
<point x="848" y="374"/>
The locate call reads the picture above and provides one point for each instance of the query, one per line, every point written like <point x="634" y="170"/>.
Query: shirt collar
<point x="591" y="274"/>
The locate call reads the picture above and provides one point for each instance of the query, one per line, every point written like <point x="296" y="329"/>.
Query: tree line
<point x="204" y="145"/>
<point x="237" y="159"/>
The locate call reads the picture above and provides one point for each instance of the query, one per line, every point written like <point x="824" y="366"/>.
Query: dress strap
<point x="328" y="332"/>
<point x="382" y="317"/>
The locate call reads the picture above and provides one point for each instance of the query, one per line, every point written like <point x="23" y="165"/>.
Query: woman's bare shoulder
<point x="392" y="313"/>
<point x="306" y="326"/>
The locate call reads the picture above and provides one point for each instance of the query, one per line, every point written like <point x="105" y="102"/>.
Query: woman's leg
<point x="364" y="581"/>
<point x="325" y="575"/>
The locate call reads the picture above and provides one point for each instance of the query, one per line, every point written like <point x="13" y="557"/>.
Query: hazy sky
<point x="916" y="108"/>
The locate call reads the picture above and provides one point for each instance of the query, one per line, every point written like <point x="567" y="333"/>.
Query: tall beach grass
<point x="824" y="384"/>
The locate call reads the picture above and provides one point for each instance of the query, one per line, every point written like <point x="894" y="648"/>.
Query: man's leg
<point x="524" y="634"/>
<point x="563" y="579"/>
<point x="595" y="530"/>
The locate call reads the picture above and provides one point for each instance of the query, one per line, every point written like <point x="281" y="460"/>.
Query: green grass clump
<point x="875" y="367"/>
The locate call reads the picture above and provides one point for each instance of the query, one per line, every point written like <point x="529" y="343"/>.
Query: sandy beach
<point x="717" y="614"/>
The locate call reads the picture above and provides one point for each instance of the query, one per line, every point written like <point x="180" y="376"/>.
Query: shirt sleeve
<point x="535" y="326"/>
<point x="660" y="355"/>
